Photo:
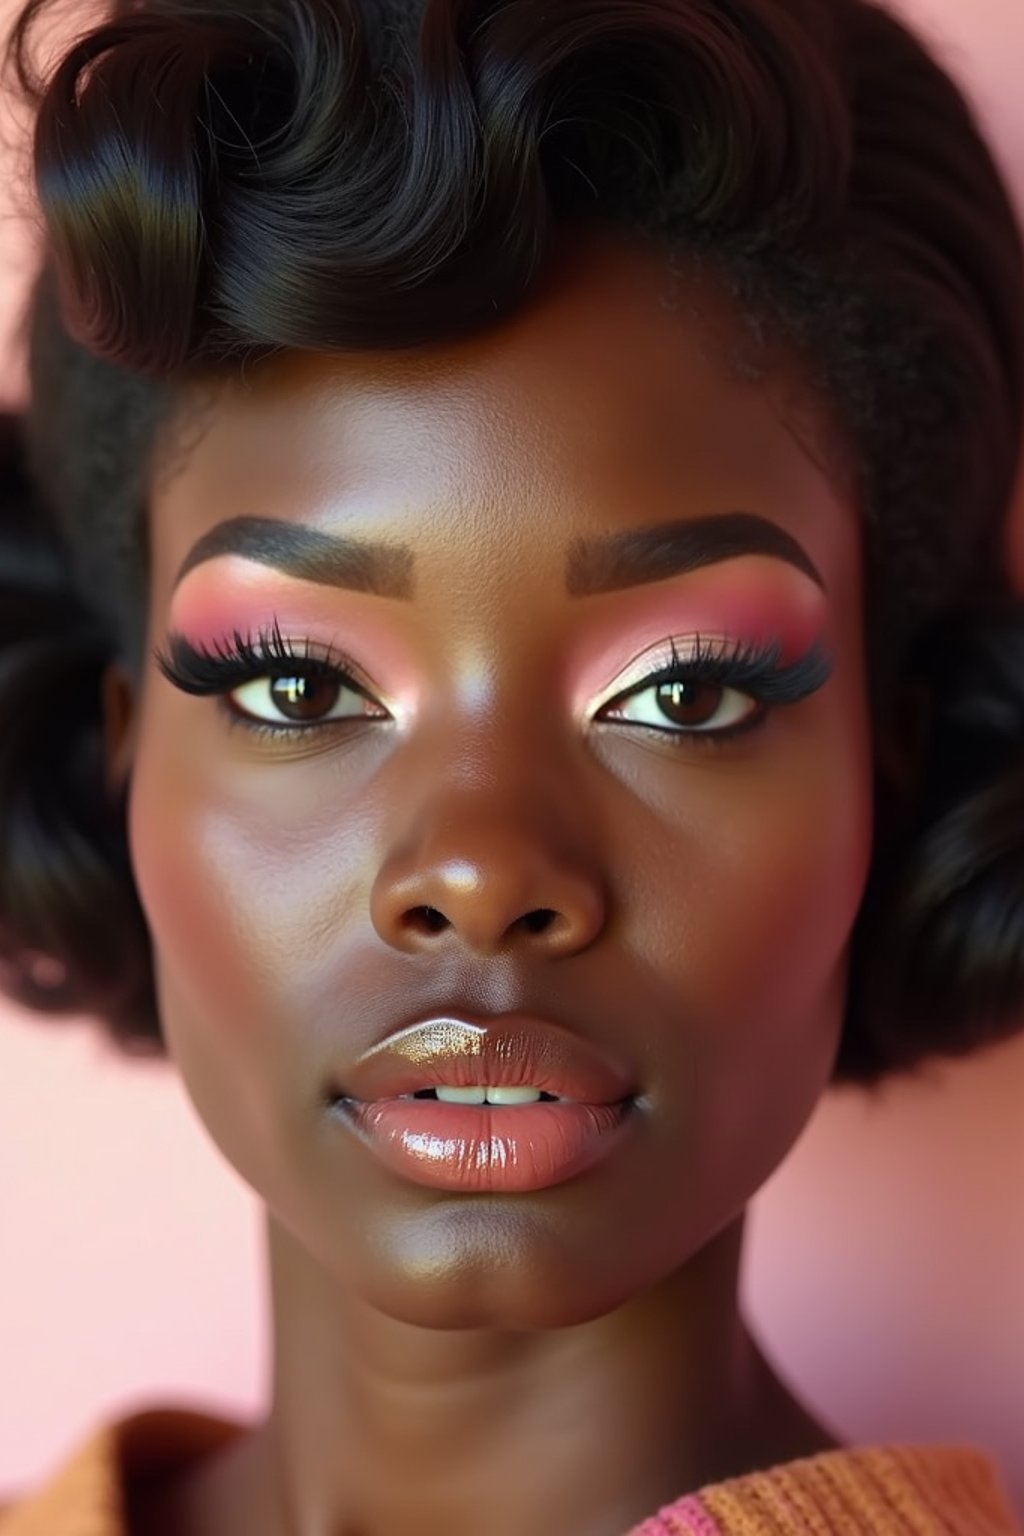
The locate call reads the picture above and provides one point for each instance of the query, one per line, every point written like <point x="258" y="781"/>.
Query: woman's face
<point x="510" y="817"/>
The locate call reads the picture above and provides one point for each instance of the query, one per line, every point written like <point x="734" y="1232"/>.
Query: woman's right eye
<point x="305" y="701"/>
<point x="269" y="688"/>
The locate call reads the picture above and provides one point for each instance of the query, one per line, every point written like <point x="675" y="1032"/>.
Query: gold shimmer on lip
<point x="610" y="563"/>
<point x="441" y="1038"/>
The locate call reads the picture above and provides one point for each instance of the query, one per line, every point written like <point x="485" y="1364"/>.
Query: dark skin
<point x="565" y="1361"/>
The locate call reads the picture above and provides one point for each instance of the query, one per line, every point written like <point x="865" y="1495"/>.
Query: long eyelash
<point x="751" y="668"/>
<point x="228" y="666"/>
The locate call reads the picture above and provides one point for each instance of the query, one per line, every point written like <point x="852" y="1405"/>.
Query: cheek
<point x="209" y="969"/>
<point x="758" y="969"/>
<point x="245" y="898"/>
<point x="745" y="900"/>
<point x="791" y="875"/>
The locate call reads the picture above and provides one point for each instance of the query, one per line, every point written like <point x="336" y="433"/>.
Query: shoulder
<point x="863" y="1491"/>
<point x="87" y="1492"/>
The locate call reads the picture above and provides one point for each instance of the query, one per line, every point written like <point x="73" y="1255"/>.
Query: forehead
<point x="622" y="383"/>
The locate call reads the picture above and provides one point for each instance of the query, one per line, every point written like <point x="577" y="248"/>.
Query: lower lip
<point x="489" y="1148"/>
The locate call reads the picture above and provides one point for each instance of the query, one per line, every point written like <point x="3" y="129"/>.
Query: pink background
<point x="885" y="1268"/>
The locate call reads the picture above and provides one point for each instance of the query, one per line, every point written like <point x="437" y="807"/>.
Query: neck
<point x="384" y="1428"/>
<point x="380" y="1428"/>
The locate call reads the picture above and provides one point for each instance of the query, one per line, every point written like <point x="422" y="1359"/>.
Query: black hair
<point x="222" y="181"/>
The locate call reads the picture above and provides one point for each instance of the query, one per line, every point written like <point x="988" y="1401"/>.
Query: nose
<point x="490" y="871"/>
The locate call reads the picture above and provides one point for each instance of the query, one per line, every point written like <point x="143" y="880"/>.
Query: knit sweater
<point x="891" y="1490"/>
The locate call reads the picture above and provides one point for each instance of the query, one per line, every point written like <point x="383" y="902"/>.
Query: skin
<point x="568" y="1360"/>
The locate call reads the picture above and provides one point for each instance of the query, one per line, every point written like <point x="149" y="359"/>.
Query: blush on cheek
<point x="749" y="601"/>
<point x="792" y="872"/>
<point x="189" y="897"/>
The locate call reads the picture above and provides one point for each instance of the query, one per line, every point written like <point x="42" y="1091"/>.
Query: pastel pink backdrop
<point x="885" y="1267"/>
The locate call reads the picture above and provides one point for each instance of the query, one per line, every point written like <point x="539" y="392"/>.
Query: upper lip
<point x="460" y="1050"/>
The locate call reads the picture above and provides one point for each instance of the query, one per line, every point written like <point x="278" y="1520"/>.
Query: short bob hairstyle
<point x="221" y="180"/>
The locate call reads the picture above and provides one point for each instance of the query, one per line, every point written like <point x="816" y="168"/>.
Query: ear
<point x="120" y="721"/>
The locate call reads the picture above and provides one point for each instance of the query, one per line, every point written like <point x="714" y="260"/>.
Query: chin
<point x="481" y="1263"/>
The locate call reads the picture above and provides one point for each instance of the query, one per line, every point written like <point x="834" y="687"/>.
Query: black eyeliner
<point x="747" y="666"/>
<point x="229" y="666"/>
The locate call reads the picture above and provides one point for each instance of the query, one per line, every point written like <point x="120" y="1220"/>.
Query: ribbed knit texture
<point x="896" y="1490"/>
<point x="901" y="1490"/>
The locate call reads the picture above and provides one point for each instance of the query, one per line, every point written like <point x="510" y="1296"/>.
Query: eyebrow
<point x="309" y="554"/>
<point x="608" y="563"/>
<point x="640" y="555"/>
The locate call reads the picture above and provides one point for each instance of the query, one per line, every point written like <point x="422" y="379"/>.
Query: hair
<point x="222" y="180"/>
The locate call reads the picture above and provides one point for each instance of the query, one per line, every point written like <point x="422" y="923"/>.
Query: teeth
<point x="513" y="1095"/>
<point x="488" y="1095"/>
<point x="462" y="1095"/>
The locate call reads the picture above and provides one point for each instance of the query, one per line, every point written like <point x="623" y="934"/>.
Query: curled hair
<point x="72" y="933"/>
<point x="223" y="181"/>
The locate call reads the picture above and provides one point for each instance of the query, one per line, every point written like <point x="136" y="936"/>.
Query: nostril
<point x="427" y="919"/>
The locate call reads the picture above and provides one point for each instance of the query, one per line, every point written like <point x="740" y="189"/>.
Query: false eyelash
<point x="227" y="667"/>
<point x="748" y="667"/>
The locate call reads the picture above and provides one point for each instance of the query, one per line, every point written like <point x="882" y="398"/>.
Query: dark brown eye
<point x="306" y="700"/>
<point x="689" y="703"/>
<point x="683" y="705"/>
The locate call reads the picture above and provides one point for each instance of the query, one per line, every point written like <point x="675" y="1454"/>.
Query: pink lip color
<point x="499" y="1149"/>
<point x="507" y="1148"/>
<point x="464" y="1050"/>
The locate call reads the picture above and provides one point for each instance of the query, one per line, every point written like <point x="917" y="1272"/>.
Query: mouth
<point x="491" y="1093"/>
<point x="458" y="1054"/>
<point x="508" y="1104"/>
<point x="481" y="1147"/>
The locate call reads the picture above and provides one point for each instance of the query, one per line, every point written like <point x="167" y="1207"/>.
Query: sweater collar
<point x="932" y="1490"/>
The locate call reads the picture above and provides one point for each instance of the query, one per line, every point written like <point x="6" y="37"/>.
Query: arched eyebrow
<point x="638" y="555"/>
<point x="309" y="554"/>
<point x="608" y="563"/>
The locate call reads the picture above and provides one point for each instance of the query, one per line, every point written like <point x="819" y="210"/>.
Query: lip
<point x="507" y="1050"/>
<point x="477" y="1149"/>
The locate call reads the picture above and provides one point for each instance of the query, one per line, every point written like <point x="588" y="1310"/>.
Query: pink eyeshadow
<point x="749" y="600"/>
<point x="231" y="593"/>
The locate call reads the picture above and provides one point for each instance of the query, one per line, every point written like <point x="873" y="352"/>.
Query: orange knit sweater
<point x="894" y="1490"/>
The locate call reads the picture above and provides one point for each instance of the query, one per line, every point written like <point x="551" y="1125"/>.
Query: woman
<point x="511" y="680"/>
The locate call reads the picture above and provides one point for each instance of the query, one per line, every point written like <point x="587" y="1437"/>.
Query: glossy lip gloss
<point x="493" y="1147"/>
<point x="496" y="1148"/>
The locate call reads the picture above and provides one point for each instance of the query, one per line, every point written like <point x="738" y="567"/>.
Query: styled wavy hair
<point x="221" y="180"/>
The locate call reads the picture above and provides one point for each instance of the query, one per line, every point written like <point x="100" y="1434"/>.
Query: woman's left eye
<point x="684" y="705"/>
